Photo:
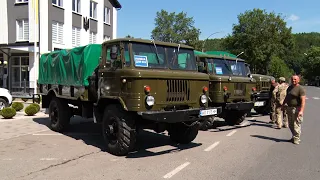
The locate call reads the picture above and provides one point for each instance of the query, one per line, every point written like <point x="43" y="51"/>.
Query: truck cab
<point x="230" y="85"/>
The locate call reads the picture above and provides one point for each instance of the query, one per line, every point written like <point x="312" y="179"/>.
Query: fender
<point x="119" y="99"/>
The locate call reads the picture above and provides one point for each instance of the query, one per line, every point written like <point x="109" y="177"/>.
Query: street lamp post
<point x="204" y="42"/>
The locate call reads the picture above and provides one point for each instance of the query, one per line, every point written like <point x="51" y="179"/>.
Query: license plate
<point x="208" y="112"/>
<point x="259" y="103"/>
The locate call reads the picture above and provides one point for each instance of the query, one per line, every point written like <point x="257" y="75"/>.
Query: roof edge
<point x="116" y="4"/>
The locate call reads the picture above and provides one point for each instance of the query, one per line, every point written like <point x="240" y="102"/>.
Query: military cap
<point x="282" y="79"/>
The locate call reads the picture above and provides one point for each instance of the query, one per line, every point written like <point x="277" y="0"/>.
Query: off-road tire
<point x="123" y="137"/>
<point x="59" y="113"/>
<point x="263" y="110"/>
<point x="182" y="134"/>
<point x="4" y="102"/>
<point x="206" y="124"/>
<point x="235" y="117"/>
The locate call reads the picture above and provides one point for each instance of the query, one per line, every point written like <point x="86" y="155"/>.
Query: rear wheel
<point x="59" y="114"/>
<point x="118" y="130"/>
<point x="183" y="134"/>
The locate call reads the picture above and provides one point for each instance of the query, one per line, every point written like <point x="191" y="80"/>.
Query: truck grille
<point x="239" y="89"/>
<point x="178" y="90"/>
<point x="265" y="84"/>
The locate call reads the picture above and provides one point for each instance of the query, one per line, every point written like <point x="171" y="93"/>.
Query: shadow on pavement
<point x="271" y="138"/>
<point x="90" y="134"/>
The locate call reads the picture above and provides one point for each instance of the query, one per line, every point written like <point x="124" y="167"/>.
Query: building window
<point x="106" y="38"/>
<point x="76" y="36"/>
<point x="92" y="38"/>
<point x="57" y="32"/>
<point x="93" y="9"/>
<point x="76" y="6"/>
<point x="57" y="2"/>
<point x="22" y="30"/>
<point x="20" y="71"/>
<point x="106" y="17"/>
<point x="21" y="1"/>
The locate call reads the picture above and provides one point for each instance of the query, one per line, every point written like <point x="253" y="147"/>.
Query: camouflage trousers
<point x="281" y="117"/>
<point x="295" y="122"/>
<point x="273" y="113"/>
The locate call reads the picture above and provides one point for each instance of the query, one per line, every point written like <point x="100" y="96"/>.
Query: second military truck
<point x="230" y="86"/>
<point x="126" y="85"/>
<point x="262" y="97"/>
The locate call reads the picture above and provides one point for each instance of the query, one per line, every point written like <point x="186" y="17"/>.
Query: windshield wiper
<point x="156" y="51"/>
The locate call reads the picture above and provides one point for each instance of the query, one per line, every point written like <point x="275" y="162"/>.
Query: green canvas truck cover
<point x="70" y="67"/>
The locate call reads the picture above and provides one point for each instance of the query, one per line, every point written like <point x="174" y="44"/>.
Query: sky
<point x="136" y="18"/>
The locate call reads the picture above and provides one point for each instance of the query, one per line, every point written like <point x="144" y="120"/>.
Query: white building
<point x="61" y="23"/>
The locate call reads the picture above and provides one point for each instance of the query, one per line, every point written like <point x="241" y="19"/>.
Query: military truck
<point x="230" y="86"/>
<point x="126" y="85"/>
<point x="262" y="98"/>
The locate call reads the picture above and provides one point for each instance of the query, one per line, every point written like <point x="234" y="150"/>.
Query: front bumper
<point x="180" y="115"/>
<point x="261" y="99"/>
<point x="240" y="106"/>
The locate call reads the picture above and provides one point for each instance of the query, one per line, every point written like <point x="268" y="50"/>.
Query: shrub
<point x="17" y="106"/>
<point x="31" y="110"/>
<point x="36" y="105"/>
<point x="8" y="112"/>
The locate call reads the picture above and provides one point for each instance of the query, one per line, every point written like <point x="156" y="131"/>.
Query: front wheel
<point x="118" y="130"/>
<point x="183" y="134"/>
<point x="235" y="117"/>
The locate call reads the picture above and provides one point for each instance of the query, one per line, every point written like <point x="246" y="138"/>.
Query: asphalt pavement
<point x="29" y="150"/>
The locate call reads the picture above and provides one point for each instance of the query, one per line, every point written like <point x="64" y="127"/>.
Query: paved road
<point x="29" y="150"/>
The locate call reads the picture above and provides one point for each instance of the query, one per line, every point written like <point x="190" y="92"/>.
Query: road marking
<point x="7" y="159"/>
<point x="307" y="98"/>
<point x="23" y="135"/>
<point x="48" y="134"/>
<point x="315" y="98"/>
<point x="232" y="132"/>
<point x="212" y="146"/>
<point x="48" y="159"/>
<point x="175" y="171"/>
<point x="70" y="134"/>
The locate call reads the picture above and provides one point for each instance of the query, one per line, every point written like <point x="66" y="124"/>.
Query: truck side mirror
<point x="114" y="52"/>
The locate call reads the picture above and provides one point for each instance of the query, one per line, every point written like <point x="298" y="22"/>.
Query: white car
<point x="5" y="98"/>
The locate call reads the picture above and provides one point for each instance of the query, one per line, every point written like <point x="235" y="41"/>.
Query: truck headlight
<point x="150" y="100"/>
<point x="203" y="99"/>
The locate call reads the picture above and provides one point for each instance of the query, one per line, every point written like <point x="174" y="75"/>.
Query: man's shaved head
<point x="295" y="79"/>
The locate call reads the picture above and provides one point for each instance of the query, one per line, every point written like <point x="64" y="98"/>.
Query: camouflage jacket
<point x="274" y="93"/>
<point x="281" y="93"/>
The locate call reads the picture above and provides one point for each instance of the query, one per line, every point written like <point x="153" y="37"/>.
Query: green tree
<point x="278" y="68"/>
<point x="260" y="35"/>
<point x="176" y="28"/>
<point x="311" y="64"/>
<point x="303" y="42"/>
<point x="129" y="36"/>
<point x="214" y="45"/>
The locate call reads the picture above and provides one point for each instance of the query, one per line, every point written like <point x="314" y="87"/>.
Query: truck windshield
<point x="147" y="56"/>
<point x="226" y="67"/>
<point x="181" y="59"/>
<point x="218" y="67"/>
<point x="238" y="68"/>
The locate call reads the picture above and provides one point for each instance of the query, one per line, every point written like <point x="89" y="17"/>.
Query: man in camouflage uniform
<point x="281" y="92"/>
<point x="273" y="90"/>
<point x="295" y="104"/>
